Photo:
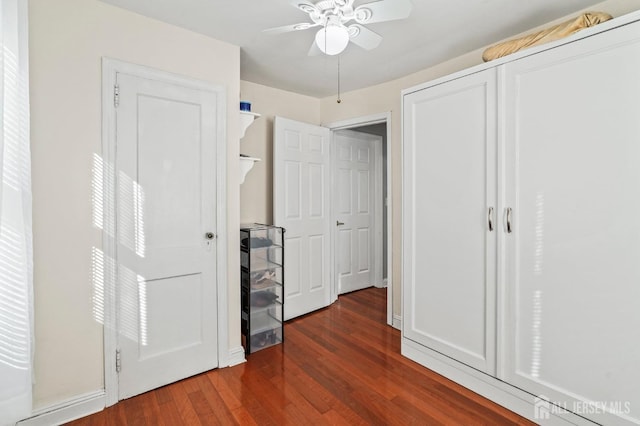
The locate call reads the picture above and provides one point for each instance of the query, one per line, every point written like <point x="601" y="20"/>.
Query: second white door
<point x="301" y="182"/>
<point x="354" y="198"/>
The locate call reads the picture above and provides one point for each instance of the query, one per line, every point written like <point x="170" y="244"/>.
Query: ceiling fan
<point x="333" y="15"/>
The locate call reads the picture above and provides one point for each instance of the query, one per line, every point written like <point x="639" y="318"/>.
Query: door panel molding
<point x="105" y="193"/>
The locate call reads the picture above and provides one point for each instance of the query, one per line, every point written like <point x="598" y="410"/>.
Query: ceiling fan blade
<point x="314" y="50"/>
<point x="382" y="10"/>
<point x="364" y="37"/>
<point x="304" y="5"/>
<point x="289" y="28"/>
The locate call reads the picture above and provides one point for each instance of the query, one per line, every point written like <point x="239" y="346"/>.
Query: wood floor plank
<point x="163" y="395"/>
<point x="183" y="404"/>
<point x="98" y="420"/>
<point x="257" y="384"/>
<point x="202" y="409"/>
<point x="120" y="413"/>
<point x="215" y="402"/>
<point x="306" y="410"/>
<point x="134" y="411"/>
<point x="82" y="422"/>
<point x="250" y="401"/>
<point x="337" y="366"/>
<point x="220" y="385"/>
<point x="363" y="369"/>
<point x="170" y="413"/>
<point x="318" y="395"/>
<point x="151" y="409"/>
<point x="242" y="417"/>
<point x="191" y="384"/>
<point x="413" y="406"/>
<point x="333" y="417"/>
<point x="342" y="389"/>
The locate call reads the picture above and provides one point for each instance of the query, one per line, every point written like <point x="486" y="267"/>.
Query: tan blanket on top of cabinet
<point x="556" y="32"/>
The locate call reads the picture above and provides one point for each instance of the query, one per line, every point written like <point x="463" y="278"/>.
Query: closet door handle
<point x="508" y="215"/>
<point x="490" y="219"/>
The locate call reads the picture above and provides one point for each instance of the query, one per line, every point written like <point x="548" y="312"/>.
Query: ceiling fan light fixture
<point x="332" y="39"/>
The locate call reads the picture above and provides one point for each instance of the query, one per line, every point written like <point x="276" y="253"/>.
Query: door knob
<point x="338" y="223"/>
<point x="210" y="235"/>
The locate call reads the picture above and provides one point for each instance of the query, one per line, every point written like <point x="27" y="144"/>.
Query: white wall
<point x="67" y="40"/>
<point x="386" y="97"/>
<point x="256" y="201"/>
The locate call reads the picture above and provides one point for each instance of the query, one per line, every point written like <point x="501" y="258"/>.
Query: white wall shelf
<point x="246" y="118"/>
<point x="246" y="164"/>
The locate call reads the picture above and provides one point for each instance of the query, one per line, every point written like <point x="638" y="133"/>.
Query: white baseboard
<point x="397" y="322"/>
<point x="93" y="402"/>
<point x="236" y="356"/>
<point x="382" y="284"/>
<point x="500" y="392"/>
<point x="66" y="411"/>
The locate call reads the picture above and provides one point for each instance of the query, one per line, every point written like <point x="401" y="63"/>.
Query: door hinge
<point x="118" y="361"/>
<point x="116" y="96"/>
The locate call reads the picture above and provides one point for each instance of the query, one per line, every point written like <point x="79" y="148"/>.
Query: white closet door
<point x="449" y="252"/>
<point x="573" y="293"/>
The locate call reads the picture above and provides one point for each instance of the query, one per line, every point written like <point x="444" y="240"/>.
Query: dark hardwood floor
<point x="340" y="365"/>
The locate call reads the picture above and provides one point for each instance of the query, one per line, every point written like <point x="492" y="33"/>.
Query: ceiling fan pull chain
<point x="325" y="37"/>
<point x="339" y="100"/>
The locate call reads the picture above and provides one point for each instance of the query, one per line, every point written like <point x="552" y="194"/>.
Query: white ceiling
<point x="436" y="31"/>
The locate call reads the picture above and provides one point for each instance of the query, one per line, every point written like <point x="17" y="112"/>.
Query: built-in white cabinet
<point x="451" y="144"/>
<point x="521" y="228"/>
<point x="572" y="143"/>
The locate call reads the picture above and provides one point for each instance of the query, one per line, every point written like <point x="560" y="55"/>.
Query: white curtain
<point x="16" y="264"/>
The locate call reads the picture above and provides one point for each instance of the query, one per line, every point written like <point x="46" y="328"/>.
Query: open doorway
<point x="304" y="202"/>
<point x="364" y="242"/>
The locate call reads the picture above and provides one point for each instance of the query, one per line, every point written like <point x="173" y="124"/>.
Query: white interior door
<point x="354" y="198"/>
<point x="167" y="321"/>
<point x="301" y="181"/>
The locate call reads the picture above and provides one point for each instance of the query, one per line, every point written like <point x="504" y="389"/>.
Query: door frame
<point x="107" y="195"/>
<point x="353" y="124"/>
